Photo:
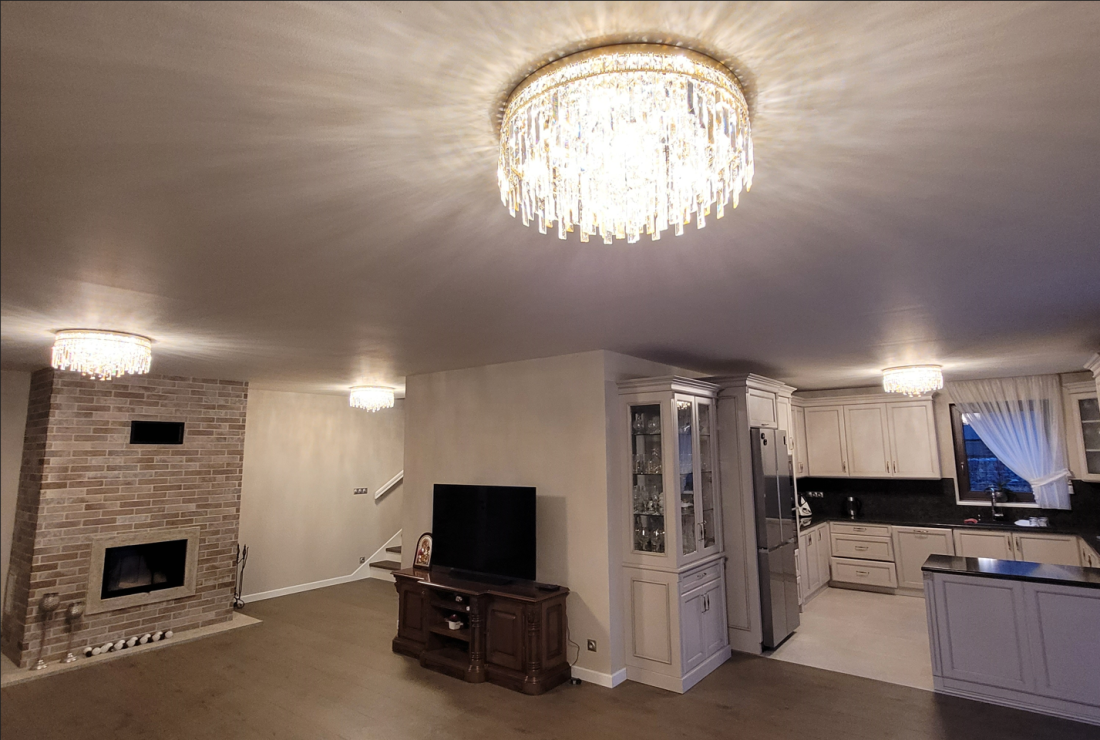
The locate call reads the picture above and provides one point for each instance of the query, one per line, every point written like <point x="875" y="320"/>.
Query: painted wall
<point x="542" y="423"/>
<point x="14" y="392"/>
<point x="304" y="453"/>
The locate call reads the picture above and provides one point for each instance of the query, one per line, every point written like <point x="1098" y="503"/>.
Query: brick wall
<point x="81" y="478"/>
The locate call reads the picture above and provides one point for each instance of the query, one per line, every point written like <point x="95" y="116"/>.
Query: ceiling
<point x="304" y="195"/>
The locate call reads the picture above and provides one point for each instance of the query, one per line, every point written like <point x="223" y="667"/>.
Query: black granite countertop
<point x="1014" y="570"/>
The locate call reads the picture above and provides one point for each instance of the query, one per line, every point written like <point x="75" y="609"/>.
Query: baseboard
<point x="607" y="680"/>
<point x="363" y="571"/>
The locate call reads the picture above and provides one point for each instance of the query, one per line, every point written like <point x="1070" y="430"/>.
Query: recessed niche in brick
<point x="156" y="432"/>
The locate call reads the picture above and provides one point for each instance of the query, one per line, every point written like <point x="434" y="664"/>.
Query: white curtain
<point x="1020" y="420"/>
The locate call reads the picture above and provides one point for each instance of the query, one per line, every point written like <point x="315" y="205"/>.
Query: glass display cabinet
<point x="673" y="512"/>
<point x="674" y="582"/>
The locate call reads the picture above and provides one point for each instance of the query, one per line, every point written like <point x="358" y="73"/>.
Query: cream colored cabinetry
<point x="675" y="583"/>
<point x="913" y="448"/>
<point x="867" y="440"/>
<point x="868" y="437"/>
<point x="813" y="560"/>
<point x="1083" y="427"/>
<point x="798" y="419"/>
<point x="862" y="555"/>
<point x="825" y="445"/>
<point x="977" y="543"/>
<point x="1089" y="557"/>
<point x="913" y="545"/>
<point x="1053" y="549"/>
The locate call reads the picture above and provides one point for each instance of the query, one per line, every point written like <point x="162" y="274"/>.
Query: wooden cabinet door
<point x="825" y="441"/>
<point x="692" y="605"/>
<point x="912" y="546"/>
<point x="783" y="413"/>
<point x="914" y="452"/>
<point x="412" y="623"/>
<point x="976" y="543"/>
<point x="761" y="408"/>
<point x="715" y="635"/>
<point x="504" y="634"/>
<point x="798" y="414"/>
<point x="823" y="569"/>
<point x="804" y="587"/>
<point x="1052" y="549"/>
<point x="868" y="441"/>
<point x="813" y="546"/>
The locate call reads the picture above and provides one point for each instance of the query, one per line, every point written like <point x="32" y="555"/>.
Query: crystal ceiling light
<point x="371" y="397"/>
<point x="624" y="140"/>
<point x="914" y="380"/>
<point x="101" y="354"/>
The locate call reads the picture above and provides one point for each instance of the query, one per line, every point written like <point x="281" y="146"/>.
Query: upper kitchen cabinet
<point x="870" y="436"/>
<point x="1083" y="427"/>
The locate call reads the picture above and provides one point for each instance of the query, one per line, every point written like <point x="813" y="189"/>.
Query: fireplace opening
<point x="132" y="569"/>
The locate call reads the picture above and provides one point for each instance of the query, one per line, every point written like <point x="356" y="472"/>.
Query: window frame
<point x="962" y="471"/>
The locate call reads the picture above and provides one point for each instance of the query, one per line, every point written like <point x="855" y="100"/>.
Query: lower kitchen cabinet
<point x="1053" y="549"/>
<point x="677" y="625"/>
<point x="912" y="546"/>
<point x="813" y="560"/>
<point x="977" y="543"/>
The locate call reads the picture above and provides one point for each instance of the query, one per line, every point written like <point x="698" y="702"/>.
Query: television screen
<point x="484" y="529"/>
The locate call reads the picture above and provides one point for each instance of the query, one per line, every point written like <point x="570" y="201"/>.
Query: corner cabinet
<point x="1083" y="427"/>
<point x="674" y="567"/>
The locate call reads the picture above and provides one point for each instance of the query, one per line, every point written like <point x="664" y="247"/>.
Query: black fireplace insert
<point x="133" y="569"/>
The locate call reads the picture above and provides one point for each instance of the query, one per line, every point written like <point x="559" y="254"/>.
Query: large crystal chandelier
<point x="371" y="397"/>
<point x="914" y="380"/>
<point x="625" y="140"/>
<point x="101" y="354"/>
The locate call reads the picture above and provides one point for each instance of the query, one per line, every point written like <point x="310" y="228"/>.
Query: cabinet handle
<point x="859" y="529"/>
<point x="887" y="467"/>
<point x="861" y="548"/>
<point x="863" y="572"/>
<point x="844" y="465"/>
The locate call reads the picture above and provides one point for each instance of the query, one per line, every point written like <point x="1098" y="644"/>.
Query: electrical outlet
<point x="592" y="646"/>
<point x="359" y="491"/>
<point x="362" y="560"/>
<point x="813" y="494"/>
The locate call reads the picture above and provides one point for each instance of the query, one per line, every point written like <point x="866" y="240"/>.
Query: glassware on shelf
<point x="653" y="465"/>
<point x="654" y="424"/>
<point x="639" y="423"/>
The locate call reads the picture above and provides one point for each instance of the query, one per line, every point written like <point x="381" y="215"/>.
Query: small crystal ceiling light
<point x="625" y="140"/>
<point x="371" y="397"/>
<point x="913" y="380"/>
<point x="101" y="354"/>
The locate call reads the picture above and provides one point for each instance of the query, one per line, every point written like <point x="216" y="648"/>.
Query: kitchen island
<point x="1019" y="634"/>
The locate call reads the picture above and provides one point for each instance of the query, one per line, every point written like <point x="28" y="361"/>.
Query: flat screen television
<point x="484" y="529"/>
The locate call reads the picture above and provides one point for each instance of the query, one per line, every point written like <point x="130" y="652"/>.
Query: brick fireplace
<point x="85" y="489"/>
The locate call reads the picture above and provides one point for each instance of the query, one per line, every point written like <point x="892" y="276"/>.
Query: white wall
<point x="304" y="453"/>
<point x="15" y="390"/>
<point x="542" y="423"/>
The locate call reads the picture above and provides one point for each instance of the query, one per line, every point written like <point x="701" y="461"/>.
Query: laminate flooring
<point x="879" y="636"/>
<point x="320" y="667"/>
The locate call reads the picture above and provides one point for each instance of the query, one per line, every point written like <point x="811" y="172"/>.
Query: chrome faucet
<point x="993" y="503"/>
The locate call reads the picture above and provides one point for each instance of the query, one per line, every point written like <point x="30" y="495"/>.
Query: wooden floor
<point x="320" y="667"/>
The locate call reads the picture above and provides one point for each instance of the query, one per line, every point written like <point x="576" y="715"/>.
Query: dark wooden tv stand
<point x="513" y="635"/>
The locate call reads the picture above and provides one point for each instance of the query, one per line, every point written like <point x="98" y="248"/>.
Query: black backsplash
<point x="933" y="502"/>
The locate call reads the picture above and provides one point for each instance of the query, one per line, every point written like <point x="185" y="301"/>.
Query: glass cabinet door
<point x="1089" y="410"/>
<point x="685" y="478"/>
<point x="646" y="467"/>
<point x="707" y="493"/>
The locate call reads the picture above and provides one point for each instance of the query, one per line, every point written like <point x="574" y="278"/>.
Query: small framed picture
<point x="423" y="557"/>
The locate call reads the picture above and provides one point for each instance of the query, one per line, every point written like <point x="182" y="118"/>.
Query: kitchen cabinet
<point x="798" y="418"/>
<point x="825" y="445"/>
<point x="675" y="571"/>
<point x="913" y="449"/>
<point x="857" y="437"/>
<point x="978" y="543"/>
<point x="1089" y="557"/>
<point x="783" y="412"/>
<point x="1083" y="422"/>
<point x="813" y="559"/>
<point x="761" y="408"/>
<point x="867" y="441"/>
<point x="1053" y="549"/>
<point x="912" y="546"/>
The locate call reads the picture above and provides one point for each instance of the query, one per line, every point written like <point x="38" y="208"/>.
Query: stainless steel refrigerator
<point x="776" y="533"/>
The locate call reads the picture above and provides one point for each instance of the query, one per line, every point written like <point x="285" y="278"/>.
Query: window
<point x="979" y="469"/>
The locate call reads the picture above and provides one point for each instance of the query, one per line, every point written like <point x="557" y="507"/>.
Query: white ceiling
<point x="304" y="195"/>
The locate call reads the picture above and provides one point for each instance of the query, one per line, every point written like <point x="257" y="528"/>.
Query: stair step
<point x="386" y="564"/>
<point x="394" y="549"/>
